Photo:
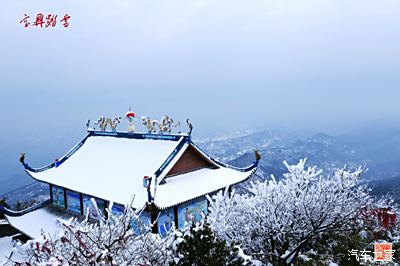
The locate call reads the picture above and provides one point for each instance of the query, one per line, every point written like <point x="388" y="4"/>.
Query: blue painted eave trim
<point x="12" y="213"/>
<point x="171" y="157"/>
<point x="62" y="160"/>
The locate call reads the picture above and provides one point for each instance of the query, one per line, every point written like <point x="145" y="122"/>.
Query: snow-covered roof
<point x="32" y="223"/>
<point x="111" y="166"/>
<point x="191" y="185"/>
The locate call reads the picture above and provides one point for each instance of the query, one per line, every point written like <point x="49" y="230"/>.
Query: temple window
<point x="167" y="217"/>
<point x="192" y="211"/>
<point x="57" y="195"/>
<point x="73" y="201"/>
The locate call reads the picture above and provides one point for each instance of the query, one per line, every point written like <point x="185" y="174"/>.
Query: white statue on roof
<point x="103" y="122"/>
<point x="130" y="116"/>
<point x="165" y="125"/>
<point x="190" y="126"/>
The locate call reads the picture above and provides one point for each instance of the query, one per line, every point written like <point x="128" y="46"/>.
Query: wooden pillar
<point x="81" y="202"/>
<point x="51" y="192"/>
<point x="65" y="198"/>
<point x="154" y="215"/>
<point x="106" y="204"/>
<point x="152" y="209"/>
<point x="176" y="217"/>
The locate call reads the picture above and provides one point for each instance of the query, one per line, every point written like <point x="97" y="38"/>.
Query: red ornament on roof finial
<point x="130" y="114"/>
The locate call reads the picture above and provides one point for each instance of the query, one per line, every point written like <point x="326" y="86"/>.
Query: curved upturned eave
<point x="249" y="170"/>
<point x="63" y="159"/>
<point x="222" y="164"/>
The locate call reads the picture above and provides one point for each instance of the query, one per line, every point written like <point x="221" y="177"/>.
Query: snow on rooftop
<point x="111" y="168"/>
<point x="188" y="186"/>
<point x="33" y="222"/>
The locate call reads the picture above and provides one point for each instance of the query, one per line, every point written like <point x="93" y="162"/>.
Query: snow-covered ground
<point x="5" y="248"/>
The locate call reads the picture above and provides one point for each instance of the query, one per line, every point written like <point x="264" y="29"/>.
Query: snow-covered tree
<point x="199" y="245"/>
<point x="278" y="218"/>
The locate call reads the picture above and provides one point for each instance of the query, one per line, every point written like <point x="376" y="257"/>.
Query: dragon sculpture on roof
<point x="165" y="125"/>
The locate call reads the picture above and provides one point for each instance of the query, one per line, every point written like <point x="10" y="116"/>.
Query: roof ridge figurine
<point x="165" y="124"/>
<point x="113" y="123"/>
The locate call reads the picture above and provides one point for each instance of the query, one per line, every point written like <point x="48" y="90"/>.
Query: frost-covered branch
<point x="277" y="218"/>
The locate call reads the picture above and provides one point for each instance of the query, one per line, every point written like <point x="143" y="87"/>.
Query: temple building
<point x="168" y="175"/>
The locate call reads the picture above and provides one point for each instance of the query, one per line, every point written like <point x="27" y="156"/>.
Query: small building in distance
<point x="168" y="175"/>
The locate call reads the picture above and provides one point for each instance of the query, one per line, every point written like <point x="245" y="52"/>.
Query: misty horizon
<point x="229" y="66"/>
<point x="322" y="66"/>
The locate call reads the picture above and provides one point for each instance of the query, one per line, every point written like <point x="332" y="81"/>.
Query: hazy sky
<point x="315" y="64"/>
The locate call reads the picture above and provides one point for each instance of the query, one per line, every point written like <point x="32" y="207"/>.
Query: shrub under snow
<point x="278" y="218"/>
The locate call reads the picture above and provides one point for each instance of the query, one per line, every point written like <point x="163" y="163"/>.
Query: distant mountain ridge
<point x="229" y="148"/>
<point x="389" y="186"/>
<point x="379" y="150"/>
<point x="382" y="158"/>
